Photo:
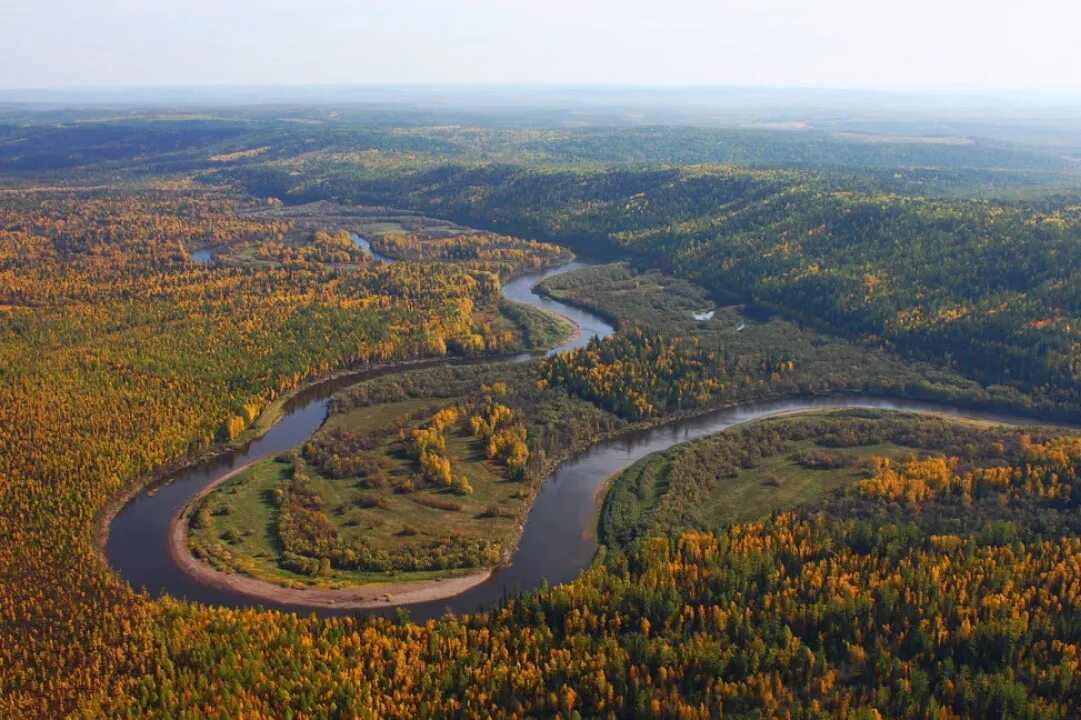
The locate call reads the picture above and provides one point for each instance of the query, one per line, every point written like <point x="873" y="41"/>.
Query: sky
<point x="883" y="44"/>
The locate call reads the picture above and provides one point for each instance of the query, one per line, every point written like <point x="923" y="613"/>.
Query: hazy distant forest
<point x="851" y="564"/>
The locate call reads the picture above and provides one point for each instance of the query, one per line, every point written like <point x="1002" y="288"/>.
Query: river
<point x="559" y="536"/>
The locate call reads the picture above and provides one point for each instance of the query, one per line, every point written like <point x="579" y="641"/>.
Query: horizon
<point x="538" y="95"/>
<point x="881" y="89"/>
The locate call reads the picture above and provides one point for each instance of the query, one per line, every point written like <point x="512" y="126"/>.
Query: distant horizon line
<point x="921" y="89"/>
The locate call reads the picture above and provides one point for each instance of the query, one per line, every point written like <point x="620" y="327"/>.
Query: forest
<point x="122" y="356"/>
<point x="989" y="286"/>
<point x="851" y="565"/>
<point x="638" y="373"/>
<point x="410" y="469"/>
<point x="806" y="613"/>
<point x="740" y="475"/>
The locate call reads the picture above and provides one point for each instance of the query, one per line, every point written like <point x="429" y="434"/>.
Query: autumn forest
<point x="407" y="415"/>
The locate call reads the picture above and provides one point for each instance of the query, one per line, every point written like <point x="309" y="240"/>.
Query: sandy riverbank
<point x="373" y="595"/>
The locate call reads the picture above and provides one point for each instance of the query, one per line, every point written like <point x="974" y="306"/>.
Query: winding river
<point x="559" y="536"/>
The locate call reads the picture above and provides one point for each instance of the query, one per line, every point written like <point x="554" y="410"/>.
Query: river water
<point x="203" y="257"/>
<point x="559" y="536"/>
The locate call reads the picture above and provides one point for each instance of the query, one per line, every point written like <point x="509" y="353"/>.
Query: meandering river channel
<point x="559" y="536"/>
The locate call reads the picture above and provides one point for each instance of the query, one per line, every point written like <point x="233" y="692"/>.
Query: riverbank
<point x="367" y="596"/>
<point x="556" y="537"/>
<point x="267" y="437"/>
<point x="271" y="415"/>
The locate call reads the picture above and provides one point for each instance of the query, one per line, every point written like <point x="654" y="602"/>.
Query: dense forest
<point x="986" y="286"/>
<point x="897" y="567"/>
<point x="638" y="373"/>
<point x="120" y="356"/>
<point x="801" y="614"/>
<point x="170" y="143"/>
<point x="414" y="439"/>
<point x="764" y="355"/>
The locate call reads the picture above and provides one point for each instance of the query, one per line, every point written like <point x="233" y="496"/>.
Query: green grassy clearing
<point x="746" y="473"/>
<point x="242" y="532"/>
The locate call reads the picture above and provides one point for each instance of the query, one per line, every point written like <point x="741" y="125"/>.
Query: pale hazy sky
<point x="1031" y="44"/>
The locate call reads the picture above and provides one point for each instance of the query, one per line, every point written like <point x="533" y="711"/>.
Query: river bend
<point x="559" y="536"/>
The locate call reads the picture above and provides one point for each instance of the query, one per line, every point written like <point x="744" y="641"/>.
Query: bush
<point x="439" y="503"/>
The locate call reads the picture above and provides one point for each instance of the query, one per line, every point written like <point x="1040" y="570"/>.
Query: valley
<point x="349" y="418"/>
